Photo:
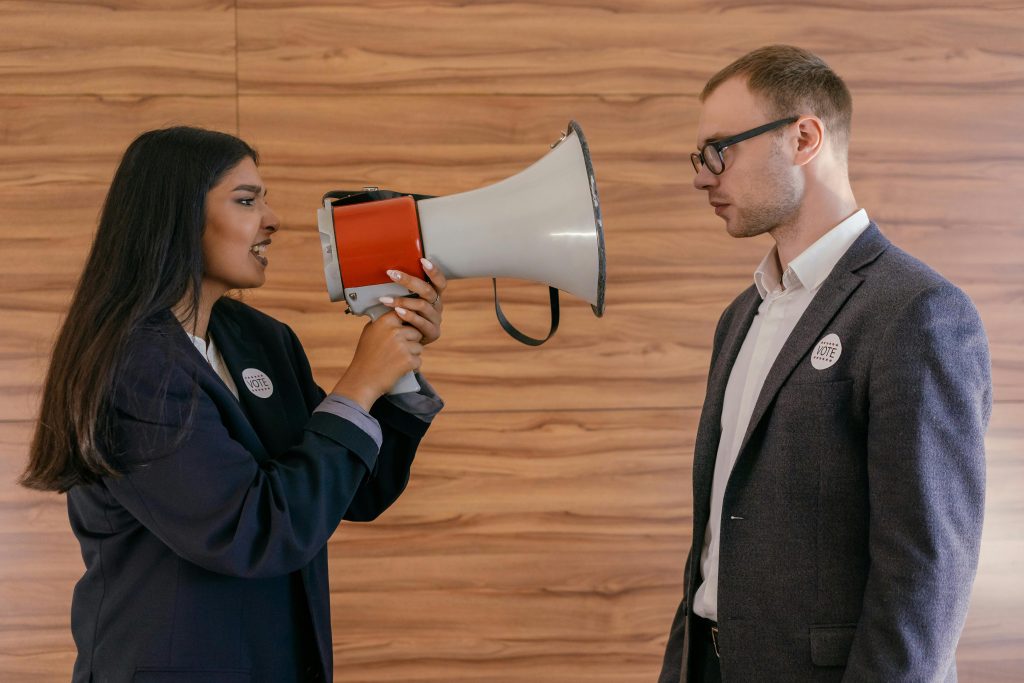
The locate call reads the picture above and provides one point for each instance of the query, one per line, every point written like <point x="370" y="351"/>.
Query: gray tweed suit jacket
<point x="852" y="517"/>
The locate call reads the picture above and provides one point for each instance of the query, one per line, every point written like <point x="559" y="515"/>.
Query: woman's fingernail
<point x="394" y="274"/>
<point x="386" y="300"/>
<point x="401" y="311"/>
<point x="427" y="264"/>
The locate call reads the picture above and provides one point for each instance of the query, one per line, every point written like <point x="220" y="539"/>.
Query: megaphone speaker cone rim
<point x="598" y="308"/>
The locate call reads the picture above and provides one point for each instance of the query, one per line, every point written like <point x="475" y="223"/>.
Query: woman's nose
<point x="271" y="222"/>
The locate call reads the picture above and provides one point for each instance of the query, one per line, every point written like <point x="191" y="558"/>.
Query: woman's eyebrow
<point x="255" y="189"/>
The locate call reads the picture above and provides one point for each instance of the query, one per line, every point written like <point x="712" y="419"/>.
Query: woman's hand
<point x="423" y="313"/>
<point x="387" y="349"/>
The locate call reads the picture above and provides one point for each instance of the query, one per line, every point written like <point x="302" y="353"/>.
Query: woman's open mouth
<point x="258" y="251"/>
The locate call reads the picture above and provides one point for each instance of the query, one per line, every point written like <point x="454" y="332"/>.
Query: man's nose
<point x="704" y="179"/>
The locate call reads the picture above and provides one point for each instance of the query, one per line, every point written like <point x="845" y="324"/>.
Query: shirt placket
<point x="774" y="314"/>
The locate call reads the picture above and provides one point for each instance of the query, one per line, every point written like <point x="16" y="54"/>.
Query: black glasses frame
<point x="699" y="159"/>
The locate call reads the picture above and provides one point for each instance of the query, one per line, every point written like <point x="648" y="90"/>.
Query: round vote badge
<point x="827" y="352"/>
<point x="257" y="382"/>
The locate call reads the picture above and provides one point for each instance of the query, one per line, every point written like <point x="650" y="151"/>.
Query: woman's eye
<point x="247" y="201"/>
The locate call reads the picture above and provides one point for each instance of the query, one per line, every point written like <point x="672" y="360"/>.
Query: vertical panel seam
<point x="238" y="106"/>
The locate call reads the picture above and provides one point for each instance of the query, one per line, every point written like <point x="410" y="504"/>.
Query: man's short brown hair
<point x="793" y="81"/>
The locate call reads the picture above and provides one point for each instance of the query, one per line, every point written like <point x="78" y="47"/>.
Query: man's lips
<point x="719" y="206"/>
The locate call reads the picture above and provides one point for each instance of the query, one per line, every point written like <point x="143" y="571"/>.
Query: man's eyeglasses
<point x="711" y="154"/>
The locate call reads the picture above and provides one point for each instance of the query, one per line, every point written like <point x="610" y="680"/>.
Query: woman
<point x="205" y="470"/>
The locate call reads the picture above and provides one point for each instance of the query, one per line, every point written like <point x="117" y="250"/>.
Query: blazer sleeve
<point x="930" y="399"/>
<point x="401" y="434"/>
<point x="208" y="498"/>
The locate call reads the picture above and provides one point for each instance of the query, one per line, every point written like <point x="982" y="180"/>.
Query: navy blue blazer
<point x="207" y="560"/>
<point x="852" y="517"/>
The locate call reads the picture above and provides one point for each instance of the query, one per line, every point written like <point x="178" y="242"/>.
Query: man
<point x="839" y="464"/>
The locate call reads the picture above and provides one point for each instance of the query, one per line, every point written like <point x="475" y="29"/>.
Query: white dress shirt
<point x="213" y="356"/>
<point x="785" y="298"/>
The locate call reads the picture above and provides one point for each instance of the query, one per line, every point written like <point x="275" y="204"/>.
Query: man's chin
<point x="739" y="229"/>
<point x="735" y="230"/>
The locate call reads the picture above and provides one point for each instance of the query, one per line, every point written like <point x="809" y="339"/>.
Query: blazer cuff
<point x="410" y="415"/>
<point x="347" y="409"/>
<point x="345" y="434"/>
<point x="423" y="404"/>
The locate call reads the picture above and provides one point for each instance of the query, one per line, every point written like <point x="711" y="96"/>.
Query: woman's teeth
<point x="258" y="251"/>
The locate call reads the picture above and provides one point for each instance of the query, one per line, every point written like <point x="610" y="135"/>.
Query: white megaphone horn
<point x="542" y="224"/>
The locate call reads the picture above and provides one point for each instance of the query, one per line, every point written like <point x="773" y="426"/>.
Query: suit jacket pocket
<point x="186" y="675"/>
<point x="830" y="645"/>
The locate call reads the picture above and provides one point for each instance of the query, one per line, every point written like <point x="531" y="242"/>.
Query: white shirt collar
<point x="206" y="349"/>
<point x="814" y="264"/>
<point x="213" y="356"/>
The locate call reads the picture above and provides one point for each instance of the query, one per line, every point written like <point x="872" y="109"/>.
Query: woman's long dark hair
<point x="147" y="257"/>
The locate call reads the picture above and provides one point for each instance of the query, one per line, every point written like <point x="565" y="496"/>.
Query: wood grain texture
<point x="671" y="267"/>
<point x="117" y="47"/>
<point x="543" y="533"/>
<point x="615" y="48"/>
<point x="470" y="578"/>
<point x="466" y="567"/>
<point x="57" y="157"/>
<point x="990" y="647"/>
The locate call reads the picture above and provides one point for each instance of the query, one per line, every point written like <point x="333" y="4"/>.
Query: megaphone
<point x="542" y="224"/>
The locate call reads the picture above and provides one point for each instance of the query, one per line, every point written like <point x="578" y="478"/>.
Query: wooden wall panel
<point x="58" y="157"/>
<point x="571" y="582"/>
<point x="117" y="47"/>
<point x="666" y="250"/>
<point x="441" y="145"/>
<point x="990" y="647"/>
<point x="613" y="48"/>
<point x="468" y="578"/>
<point x="466" y="566"/>
<point x="543" y="533"/>
<point x="38" y="567"/>
<point x="949" y="194"/>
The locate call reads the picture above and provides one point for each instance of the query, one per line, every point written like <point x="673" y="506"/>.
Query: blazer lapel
<point x="241" y="355"/>
<point x="710" y="428"/>
<point x="834" y="292"/>
<point x="231" y="412"/>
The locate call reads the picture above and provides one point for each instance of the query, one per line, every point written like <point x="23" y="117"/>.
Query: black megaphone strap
<point x="516" y="334"/>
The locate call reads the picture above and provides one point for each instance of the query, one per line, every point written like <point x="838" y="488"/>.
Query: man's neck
<point x="817" y="215"/>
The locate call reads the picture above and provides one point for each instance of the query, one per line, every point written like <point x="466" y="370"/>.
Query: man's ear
<point x="810" y="139"/>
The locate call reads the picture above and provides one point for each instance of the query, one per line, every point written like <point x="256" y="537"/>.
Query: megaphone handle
<point x="407" y="383"/>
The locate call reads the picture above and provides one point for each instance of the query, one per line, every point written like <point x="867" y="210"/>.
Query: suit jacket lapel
<point x="240" y="355"/>
<point x="834" y="292"/>
<point x="710" y="428"/>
